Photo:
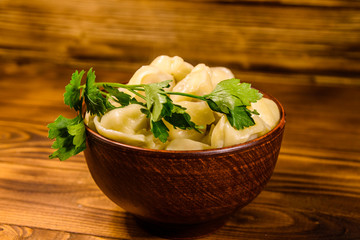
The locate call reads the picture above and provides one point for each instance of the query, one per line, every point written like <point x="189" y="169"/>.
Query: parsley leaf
<point x="231" y="98"/>
<point x="240" y="117"/>
<point x="231" y="93"/>
<point x="160" y="106"/>
<point x="157" y="102"/>
<point x="78" y="132"/>
<point x="72" y="91"/>
<point x="159" y="130"/>
<point x="181" y="119"/>
<point x="96" y="103"/>
<point x="70" y="137"/>
<point x="122" y="98"/>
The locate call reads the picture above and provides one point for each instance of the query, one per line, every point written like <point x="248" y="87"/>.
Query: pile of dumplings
<point x="130" y="126"/>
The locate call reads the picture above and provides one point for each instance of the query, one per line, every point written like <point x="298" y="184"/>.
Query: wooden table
<point x="306" y="54"/>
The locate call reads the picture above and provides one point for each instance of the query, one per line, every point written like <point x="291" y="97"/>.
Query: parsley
<point x="72" y="93"/>
<point x="229" y="97"/>
<point x="160" y="106"/>
<point x="69" y="135"/>
<point x="96" y="102"/>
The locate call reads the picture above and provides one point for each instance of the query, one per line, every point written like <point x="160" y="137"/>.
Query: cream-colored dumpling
<point x="150" y="74"/>
<point x="197" y="82"/>
<point x="224" y="135"/>
<point x="123" y="125"/>
<point x="186" y="144"/>
<point x="181" y="134"/>
<point x="89" y="121"/>
<point x="200" y="112"/>
<point x="128" y="119"/>
<point x="152" y="142"/>
<point x="129" y="125"/>
<point x="146" y="75"/>
<point x="219" y="74"/>
<point x="175" y="66"/>
<point x="268" y="112"/>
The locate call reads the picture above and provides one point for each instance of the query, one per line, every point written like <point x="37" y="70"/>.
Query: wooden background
<point x="317" y="38"/>
<point x="304" y="52"/>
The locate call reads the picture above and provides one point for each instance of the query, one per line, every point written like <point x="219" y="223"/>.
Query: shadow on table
<point x="133" y="229"/>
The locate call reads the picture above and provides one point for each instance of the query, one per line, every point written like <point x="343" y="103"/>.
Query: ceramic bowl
<point x="183" y="193"/>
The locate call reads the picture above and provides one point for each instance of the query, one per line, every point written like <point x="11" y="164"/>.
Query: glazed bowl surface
<point x="183" y="187"/>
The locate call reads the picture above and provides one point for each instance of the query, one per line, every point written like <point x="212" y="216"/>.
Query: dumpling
<point x="89" y="121"/>
<point x="128" y="119"/>
<point x="146" y="75"/>
<point x="200" y="112"/>
<point x="150" y="74"/>
<point x="224" y="135"/>
<point x="152" y="142"/>
<point x="175" y="66"/>
<point x="129" y="125"/>
<point x="123" y="124"/>
<point x="219" y="74"/>
<point x="197" y="82"/>
<point x="268" y="112"/>
<point x="186" y="144"/>
<point x="177" y="133"/>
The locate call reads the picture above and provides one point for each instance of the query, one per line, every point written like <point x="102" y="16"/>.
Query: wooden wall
<point x="286" y="41"/>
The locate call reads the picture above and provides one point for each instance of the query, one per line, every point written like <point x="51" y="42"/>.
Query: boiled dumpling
<point x="200" y="112"/>
<point x="197" y="82"/>
<point x="177" y="133"/>
<point x="129" y="125"/>
<point x="123" y="124"/>
<point x="268" y="111"/>
<point x="89" y="121"/>
<point x="152" y="142"/>
<point x="186" y="144"/>
<point x="150" y="74"/>
<point x="146" y="75"/>
<point x="224" y="135"/>
<point x="219" y="74"/>
<point x="128" y="119"/>
<point x="175" y="66"/>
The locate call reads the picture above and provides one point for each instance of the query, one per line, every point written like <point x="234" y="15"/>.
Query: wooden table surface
<point x="305" y="53"/>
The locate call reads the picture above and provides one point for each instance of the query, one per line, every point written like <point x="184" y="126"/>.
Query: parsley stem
<point x="137" y="94"/>
<point x="187" y="95"/>
<point x="138" y="87"/>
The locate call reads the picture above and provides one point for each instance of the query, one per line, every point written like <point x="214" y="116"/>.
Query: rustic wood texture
<point x="305" y="53"/>
<point x="317" y="37"/>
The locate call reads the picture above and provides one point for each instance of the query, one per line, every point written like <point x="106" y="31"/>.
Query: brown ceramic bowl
<point x="183" y="193"/>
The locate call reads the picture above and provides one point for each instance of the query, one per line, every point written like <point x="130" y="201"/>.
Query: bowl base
<point x="181" y="231"/>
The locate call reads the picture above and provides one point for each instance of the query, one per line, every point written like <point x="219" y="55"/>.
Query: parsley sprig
<point x="230" y="97"/>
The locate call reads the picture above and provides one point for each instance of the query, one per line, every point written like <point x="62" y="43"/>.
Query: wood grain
<point x="316" y="37"/>
<point x="305" y="53"/>
<point x="312" y="194"/>
<point x="12" y="232"/>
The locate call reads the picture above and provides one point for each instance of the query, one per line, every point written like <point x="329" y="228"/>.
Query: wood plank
<point x="67" y="200"/>
<point x="308" y="3"/>
<point x="8" y="232"/>
<point x="128" y="34"/>
<point x="46" y="198"/>
<point x="305" y="53"/>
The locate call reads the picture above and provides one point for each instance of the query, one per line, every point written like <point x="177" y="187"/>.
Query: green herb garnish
<point x="229" y="97"/>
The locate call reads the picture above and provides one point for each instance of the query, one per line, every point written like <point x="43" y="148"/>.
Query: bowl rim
<point x="213" y="151"/>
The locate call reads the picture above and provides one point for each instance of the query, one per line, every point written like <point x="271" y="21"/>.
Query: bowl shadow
<point x="140" y="229"/>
